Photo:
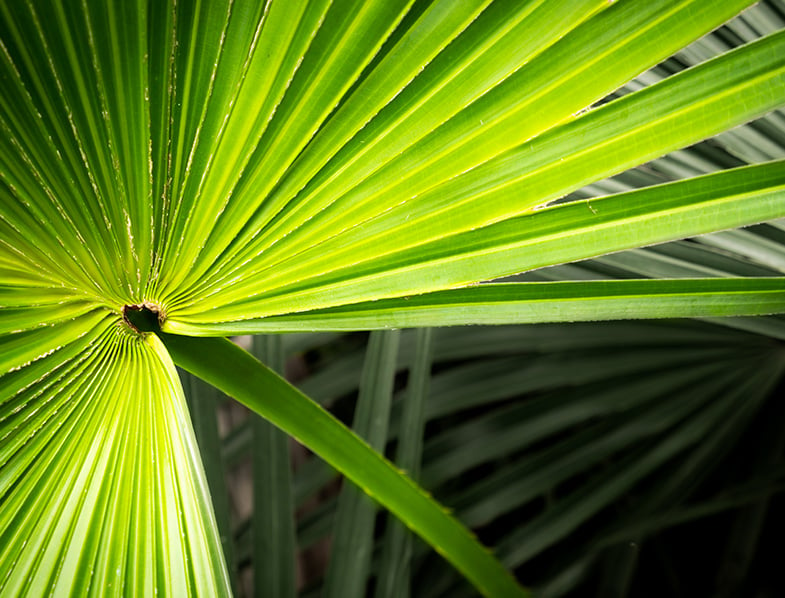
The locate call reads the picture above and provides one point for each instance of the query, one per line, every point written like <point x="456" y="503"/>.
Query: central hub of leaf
<point x="143" y="318"/>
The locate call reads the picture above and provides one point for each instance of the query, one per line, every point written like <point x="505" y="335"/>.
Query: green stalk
<point x="229" y="368"/>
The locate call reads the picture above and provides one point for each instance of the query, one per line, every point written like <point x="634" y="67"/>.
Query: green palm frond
<point x="187" y="169"/>
<point x="101" y="473"/>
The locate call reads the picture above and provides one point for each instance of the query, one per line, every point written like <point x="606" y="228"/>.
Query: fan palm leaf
<point x="175" y="170"/>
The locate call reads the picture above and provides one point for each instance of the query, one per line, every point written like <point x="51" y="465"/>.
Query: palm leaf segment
<point x="233" y="164"/>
